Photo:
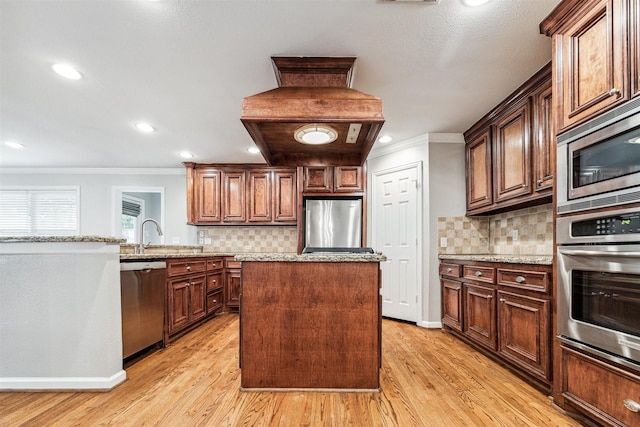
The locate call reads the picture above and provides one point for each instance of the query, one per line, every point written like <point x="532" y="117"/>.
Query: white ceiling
<point x="186" y="65"/>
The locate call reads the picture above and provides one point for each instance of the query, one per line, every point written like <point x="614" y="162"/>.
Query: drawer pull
<point x="449" y="269"/>
<point x="489" y="296"/>
<point x="502" y="300"/>
<point x="631" y="405"/>
<point x="520" y="279"/>
<point x="478" y="273"/>
<point x="614" y="91"/>
<point x="188" y="268"/>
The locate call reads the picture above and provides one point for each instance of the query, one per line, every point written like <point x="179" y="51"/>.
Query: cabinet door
<point x="478" y="156"/>
<point x="232" y="285"/>
<point x="348" y="179"/>
<point x="197" y="300"/>
<point x="635" y="47"/>
<point x="207" y="195"/>
<point x="592" y="62"/>
<point x="544" y="147"/>
<point x="452" y="304"/>
<point x="178" y="304"/>
<point x="317" y="179"/>
<point x="260" y="196"/>
<point x="480" y="315"/>
<point x="233" y="193"/>
<point x="512" y="154"/>
<point x="285" y="199"/>
<point x="524" y="332"/>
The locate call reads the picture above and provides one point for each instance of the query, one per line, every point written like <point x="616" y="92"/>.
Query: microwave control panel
<point x="607" y="225"/>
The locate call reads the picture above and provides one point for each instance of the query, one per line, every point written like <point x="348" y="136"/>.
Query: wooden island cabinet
<point x="314" y="324"/>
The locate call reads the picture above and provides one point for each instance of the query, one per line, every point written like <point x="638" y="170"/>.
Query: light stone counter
<point x="512" y="259"/>
<point x="289" y="257"/>
<point x="59" y="239"/>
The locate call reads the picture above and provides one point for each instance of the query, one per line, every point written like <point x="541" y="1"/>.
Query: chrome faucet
<point x="141" y="245"/>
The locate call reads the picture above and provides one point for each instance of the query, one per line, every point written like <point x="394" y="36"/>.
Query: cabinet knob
<point x="631" y="405"/>
<point x="539" y="182"/>
<point x="489" y="296"/>
<point x="502" y="300"/>
<point x="449" y="270"/>
<point x="188" y="268"/>
<point x="214" y="281"/>
<point x="215" y="300"/>
<point x="614" y="91"/>
<point x="478" y="273"/>
<point x="520" y="279"/>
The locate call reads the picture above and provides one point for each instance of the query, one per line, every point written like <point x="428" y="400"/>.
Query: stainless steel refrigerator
<point x="333" y="223"/>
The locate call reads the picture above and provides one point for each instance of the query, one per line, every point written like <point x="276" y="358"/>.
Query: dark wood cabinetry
<point x="332" y="179"/>
<point x="504" y="309"/>
<point x="215" y="285"/>
<point x="232" y="281"/>
<point x="510" y="151"/>
<point x="592" y="60"/>
<point x="241" y="195"/>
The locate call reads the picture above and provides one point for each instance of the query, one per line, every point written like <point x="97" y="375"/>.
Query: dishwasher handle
<point x="144" y="265"/>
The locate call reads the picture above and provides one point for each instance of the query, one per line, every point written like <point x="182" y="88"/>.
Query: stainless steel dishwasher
<point x="142" y="287"/>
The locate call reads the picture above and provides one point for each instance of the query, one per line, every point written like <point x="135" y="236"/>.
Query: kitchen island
<point x="310" y="322"/>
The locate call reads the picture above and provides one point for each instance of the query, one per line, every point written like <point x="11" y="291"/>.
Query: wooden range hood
<point x="313" y="90"/>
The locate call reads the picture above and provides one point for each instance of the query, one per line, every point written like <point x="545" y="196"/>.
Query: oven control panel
<point x="607" y="225"/>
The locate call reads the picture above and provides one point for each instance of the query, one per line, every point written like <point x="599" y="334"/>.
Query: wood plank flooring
<point x="428" y="378"/>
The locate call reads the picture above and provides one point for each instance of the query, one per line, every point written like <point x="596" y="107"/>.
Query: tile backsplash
<point x="495" y="234"/>
<point x="251" y="239"/>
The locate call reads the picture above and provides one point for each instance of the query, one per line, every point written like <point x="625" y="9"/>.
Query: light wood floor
<point x="428" y="378"/>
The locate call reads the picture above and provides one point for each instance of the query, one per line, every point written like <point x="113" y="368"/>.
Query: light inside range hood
<point x="313" y="90"/>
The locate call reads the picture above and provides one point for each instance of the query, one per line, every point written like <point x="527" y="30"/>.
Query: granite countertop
<point x="514" y="259"/>
<point x="168" y="255"/>
<point x="59" y="239"/>
<point x="289" y="257"/>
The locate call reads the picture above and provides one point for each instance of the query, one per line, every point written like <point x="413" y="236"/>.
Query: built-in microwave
<point x="598" y="163"/>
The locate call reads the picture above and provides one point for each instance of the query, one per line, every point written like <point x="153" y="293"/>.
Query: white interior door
<point x="396" y="232"/>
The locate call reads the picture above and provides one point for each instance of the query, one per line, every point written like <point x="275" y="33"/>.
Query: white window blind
<point x="39" y="212"/>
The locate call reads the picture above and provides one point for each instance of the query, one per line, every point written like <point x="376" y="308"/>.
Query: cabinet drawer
<point x="450" y="270"/>
<point x="175" y="268"/>
<point x="214" y="264"/>
<point x="606" y="401"/>
<point x="232" y="264"/>
<point x="214" y="281"/>
<point x="482" y="274"/>
<point x="531" y="280"/>
<point x="214" y="301"/>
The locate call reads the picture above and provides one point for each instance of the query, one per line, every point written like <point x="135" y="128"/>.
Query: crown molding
<point x="95" y="171"/>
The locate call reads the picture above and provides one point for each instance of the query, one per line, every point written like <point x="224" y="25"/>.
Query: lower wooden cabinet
<point x="502" y="308"/>
<point x="186" y="301"/>
<point x="604" y="392"/>
<point x="232" y="282"/>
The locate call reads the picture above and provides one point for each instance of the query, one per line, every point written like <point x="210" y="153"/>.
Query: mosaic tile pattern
<point x="464" y="235"/>
<point x="250" y="239"/>
<point x="494" y="234"/>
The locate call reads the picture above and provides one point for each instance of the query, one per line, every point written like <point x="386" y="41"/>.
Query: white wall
<point x="96" y="210"/>
<point x="443" y="194"/>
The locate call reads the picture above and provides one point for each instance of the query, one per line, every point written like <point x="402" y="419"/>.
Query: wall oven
<point x="598" y="260"/>
<point x="598" y="163"/>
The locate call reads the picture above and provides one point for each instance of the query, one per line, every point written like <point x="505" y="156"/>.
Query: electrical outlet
<point x="248" y="248"/>
<point x="443" y="242"/>
<point x="514" y="234"/>
<point x="207" y="240"/>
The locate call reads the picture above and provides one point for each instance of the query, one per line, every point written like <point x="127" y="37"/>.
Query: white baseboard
<point x="430" y="325"/>
<point x="62" y="383"/>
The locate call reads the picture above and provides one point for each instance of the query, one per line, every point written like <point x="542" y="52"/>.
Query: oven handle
<point x="565" y="251"/>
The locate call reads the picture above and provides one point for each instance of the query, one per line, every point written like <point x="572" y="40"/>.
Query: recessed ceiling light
<point x="253" y="150"/>
<point x="385" y="139"/>
<point x="67" y="71"/>
<point x="144" y="127"/>
<point x="186" y="155"/>
<point x="315" y="134"/>
<point x="474" y="3"/>
<point x="14" y="144"/>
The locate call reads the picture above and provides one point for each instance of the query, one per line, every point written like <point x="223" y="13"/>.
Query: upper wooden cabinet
<point x="510" y="152"/>
<point x="592" y="57"/>
<point x="241" y="194"/>
<point x="332" y="179"/>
